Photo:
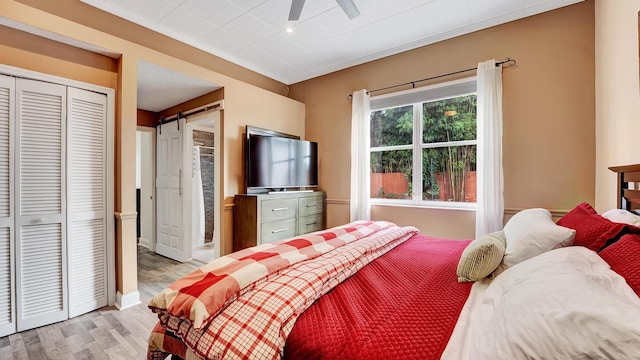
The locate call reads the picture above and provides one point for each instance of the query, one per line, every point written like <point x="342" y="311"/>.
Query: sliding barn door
<point x="7" y="272"/>
<point x="86" y="200"/>
<point x="41" y="254"/>
<point x="170" y="191"/>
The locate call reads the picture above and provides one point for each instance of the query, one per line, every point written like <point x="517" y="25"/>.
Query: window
<point x="427" y="137"/>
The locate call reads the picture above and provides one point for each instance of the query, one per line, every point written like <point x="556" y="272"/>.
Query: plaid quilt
<point x="256" y="324"/>
<point x="201" y="294"/>
<point x="167" y="340"/>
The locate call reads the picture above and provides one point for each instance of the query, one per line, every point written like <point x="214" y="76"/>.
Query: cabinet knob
<point x="278" y="230"/>
<point x="279" y="209"/>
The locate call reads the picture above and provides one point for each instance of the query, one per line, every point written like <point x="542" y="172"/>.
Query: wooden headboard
<point x="628" y="196"/>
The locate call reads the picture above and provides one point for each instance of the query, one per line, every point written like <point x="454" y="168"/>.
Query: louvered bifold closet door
<point x="7" y="274"/>
<point x="86" y="200"/>
<point x="41" y="281"/>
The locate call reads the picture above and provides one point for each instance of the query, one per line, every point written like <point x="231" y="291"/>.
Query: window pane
<point x="449" y="120"/>
<point x="449" y="173"/>
<point x="392" y="126"/>
<point x="391" y="173"/>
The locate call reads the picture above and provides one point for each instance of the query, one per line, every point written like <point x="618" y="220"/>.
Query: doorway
<point x="145" y="186"/>
<point x="202" y="139"/>
<point x="202" y="134"/>
<point x="193" y="232"/>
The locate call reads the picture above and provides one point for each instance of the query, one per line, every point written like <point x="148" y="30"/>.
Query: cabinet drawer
<point x="310" y="205"/>
<point x="274" y="209"/>
<point x="309" y="223"/>
<point x="278" y="230"/>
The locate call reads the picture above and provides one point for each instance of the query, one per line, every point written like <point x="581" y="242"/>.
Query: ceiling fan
<point x="348" y="6"/>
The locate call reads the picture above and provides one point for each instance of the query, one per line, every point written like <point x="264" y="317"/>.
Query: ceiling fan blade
<point x="349" y="8"/>
<point x="296" y="9"/>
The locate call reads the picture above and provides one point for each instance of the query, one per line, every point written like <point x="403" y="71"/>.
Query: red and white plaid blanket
<point x="255" y="325"/>
<point x="201" y="294"/>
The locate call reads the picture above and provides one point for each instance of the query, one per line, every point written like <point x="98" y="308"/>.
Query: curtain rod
<point x="509" y="61"/>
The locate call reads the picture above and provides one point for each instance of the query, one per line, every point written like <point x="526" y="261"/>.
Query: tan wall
<point x="150" y="118"/>
<point x="205" y="99"/>
<point x="549" y="122"/>
<point x="146" y="118"/>
<point x="618" y="103"/>
<point x="38" y="54"/>
<point x="244" y="104"/>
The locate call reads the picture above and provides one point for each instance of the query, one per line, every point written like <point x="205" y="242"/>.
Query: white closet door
<point x="41" y="279"/>
<point x="86" y="200"/>
<point x="7" y="294"/>
<point x="169" y="191"/>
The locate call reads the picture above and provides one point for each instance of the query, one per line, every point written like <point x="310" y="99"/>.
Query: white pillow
<point x="563" y="304"/>
<point x="622" y="216"/>
<point x="530" y="233"/>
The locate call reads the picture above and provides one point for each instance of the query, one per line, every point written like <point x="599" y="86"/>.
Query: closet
<point x="53" y="203"/>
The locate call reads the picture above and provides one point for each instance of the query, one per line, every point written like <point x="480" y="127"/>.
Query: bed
<point x="373" y="290"/>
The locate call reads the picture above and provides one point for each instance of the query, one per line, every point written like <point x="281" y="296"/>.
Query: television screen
<point x="276" y="162"/>
<point x="307" y="163"/>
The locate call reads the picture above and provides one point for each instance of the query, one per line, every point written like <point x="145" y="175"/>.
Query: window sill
<point x="425" y="204"/>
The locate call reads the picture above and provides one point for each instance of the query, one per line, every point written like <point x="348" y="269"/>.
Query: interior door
<point x="87" y="200"/>
<point x="41" y="253"/>
<point x="170" y="191"/>
<point x="7" y="245"/>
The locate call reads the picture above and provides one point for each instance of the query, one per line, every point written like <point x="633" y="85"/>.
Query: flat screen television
<point x="276" y="161"/>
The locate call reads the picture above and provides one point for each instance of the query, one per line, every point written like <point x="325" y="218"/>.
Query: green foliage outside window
<point x="447" y="120"/>
<point x="392" y="126"/>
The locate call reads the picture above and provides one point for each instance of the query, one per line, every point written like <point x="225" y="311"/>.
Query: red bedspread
<point x="403" y="305"/>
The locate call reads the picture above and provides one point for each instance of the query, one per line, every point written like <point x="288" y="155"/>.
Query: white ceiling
<point x="251" y="33"/>
<point x="160" y="88"/>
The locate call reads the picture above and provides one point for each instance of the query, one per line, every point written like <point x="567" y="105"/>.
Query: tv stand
<point x="262" y="218"/>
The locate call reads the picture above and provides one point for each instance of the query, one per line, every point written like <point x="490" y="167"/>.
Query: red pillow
<point x="592" y="230"/>
<point x="624" y="258"/>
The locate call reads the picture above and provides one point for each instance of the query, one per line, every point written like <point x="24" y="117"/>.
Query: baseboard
<point x="127" y="300"/>
<point x="338" y="201"/>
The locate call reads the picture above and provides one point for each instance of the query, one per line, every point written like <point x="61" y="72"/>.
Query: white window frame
<point x="417" y="97"/>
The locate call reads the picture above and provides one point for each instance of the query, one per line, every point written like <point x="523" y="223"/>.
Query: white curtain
<point x="490" y="182"/>
<point x="360" y="177"/>
<point x="197" y="200"/>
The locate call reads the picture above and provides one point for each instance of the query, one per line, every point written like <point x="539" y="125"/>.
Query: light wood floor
<point x="106" y="333"/>
<point x="203" y="253"/>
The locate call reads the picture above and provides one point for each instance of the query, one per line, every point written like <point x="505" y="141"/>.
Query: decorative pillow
<point x="592" y="230"/>
<point x="481" y="257"/>
<point x="530" y="233"/>
<point x="624" y="258"/>
<point x="622" y="216"/>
